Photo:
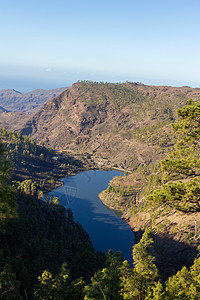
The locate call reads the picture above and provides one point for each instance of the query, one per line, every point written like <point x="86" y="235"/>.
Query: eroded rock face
<point x="107" y="121"/>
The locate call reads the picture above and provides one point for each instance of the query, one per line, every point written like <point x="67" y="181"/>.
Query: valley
<point x="125" y="127"/>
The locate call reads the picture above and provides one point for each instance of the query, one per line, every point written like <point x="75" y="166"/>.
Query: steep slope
<point x="170" y="202"/>
<point x="35" y="163"/>
<point x="12" y="120"/>
<point x="124" y="125"/>
<point x="118" y="124"/>
<point x="28" y="102"/>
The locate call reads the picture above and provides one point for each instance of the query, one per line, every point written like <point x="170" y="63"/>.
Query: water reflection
<point x="104" y="226"/>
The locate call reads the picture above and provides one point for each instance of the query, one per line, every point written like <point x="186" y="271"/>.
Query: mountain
<point x="124" y="125"/>
<point x="27" y="102"/>
<point x="127" y="126"/>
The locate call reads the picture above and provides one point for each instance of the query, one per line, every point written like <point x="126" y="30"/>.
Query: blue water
<point x="105" y="228"/>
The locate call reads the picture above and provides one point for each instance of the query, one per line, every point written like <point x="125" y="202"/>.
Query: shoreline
<point x="100" y="195"/>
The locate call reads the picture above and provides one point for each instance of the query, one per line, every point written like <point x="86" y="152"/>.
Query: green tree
<point x="59" y="287"/>
<point x="40" y="194"/>
<point x="140" y="282"/>
<point x="55" y="201"/>
<point x="9" y="285"/>
<point x="181" y="170"/>
<point x="50" y="199"/>
<point x="8" y="204"/>
<point x="156" y="292"/>
<point x="106" y="282"/>
<point x="47" y="198"/>
<point x="179" y="286"/>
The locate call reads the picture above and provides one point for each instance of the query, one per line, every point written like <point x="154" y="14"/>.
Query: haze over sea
<point x="50" y="44"/>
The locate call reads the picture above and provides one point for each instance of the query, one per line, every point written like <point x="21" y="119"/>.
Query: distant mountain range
<point x="12" y="100"/>
<point x="125" y="124"/>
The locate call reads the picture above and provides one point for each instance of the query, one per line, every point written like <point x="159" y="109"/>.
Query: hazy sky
<point x="48" y="44"/>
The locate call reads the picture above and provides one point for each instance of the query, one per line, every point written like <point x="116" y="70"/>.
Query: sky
<point x="50" y="44"/>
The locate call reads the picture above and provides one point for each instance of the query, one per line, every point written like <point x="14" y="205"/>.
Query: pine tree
<point x="9" y="285"/>
<point x="140" y="281"/>
<point x="181" y="170"/>
<point x="55" y="201"/>
<point x="106" y="282"/>
<point x="60" y="287"/>
<point x="8" y="204"/>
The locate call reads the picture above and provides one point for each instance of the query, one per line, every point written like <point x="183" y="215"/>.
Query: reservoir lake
<point x="104" y="226"/>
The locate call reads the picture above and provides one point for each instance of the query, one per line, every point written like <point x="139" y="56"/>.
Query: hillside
<point x="36" y="234"/>
<point x="129" y="126"/>
<point x="166" y="198"/>
<point x="124" y="125"/>
<point x="29" y="102"/>
<point x="35" y="164"/>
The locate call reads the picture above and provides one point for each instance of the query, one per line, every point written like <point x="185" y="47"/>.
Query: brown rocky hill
<point x="28" y="102"/>
<point x="122" y="125"/>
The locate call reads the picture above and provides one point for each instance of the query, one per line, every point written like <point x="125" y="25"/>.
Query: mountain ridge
<point x="13" y="100"/>
<point x="119" y="125"/>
